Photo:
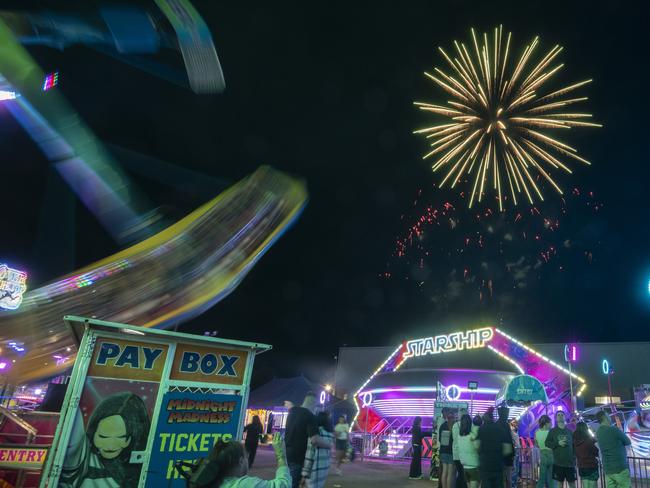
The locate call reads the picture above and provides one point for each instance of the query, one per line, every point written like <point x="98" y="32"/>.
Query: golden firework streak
<point x="499" y="121"/>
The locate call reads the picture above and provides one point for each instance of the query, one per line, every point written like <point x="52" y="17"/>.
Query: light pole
<point x="472" y="386"/>
<point x="571" y="356"/>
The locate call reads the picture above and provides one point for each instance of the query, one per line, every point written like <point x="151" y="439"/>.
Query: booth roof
<point x="278" y="390"/>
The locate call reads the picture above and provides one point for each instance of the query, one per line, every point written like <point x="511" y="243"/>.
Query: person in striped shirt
<point x="317" y="458"/>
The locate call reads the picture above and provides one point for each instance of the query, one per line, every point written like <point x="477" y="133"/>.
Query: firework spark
<point x="498" y="122"/>
<point x="492" y="252"/>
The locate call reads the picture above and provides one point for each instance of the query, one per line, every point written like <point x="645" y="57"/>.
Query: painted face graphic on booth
<point x="110" y="437"/>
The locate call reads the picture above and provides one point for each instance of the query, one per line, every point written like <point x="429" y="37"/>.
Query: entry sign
<point x="188" y="426"/>
<point x="22" y="457"/>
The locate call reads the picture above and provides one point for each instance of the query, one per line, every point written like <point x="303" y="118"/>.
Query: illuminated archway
<point x="525" y="359"/>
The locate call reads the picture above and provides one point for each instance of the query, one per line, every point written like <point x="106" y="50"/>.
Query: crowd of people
<point x="303" y="454"/>
<point x="481" y="451"/>
<point x="472" y="452"/>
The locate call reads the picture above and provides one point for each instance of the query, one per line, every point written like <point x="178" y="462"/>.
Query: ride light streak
<point x="645" y="403"/>
<point x="549" y="361"/>
<point x="7" y="95"/>
<point x="16" y="347"/>
<point x="368" y="381"/>
<point x="511" y="361"/>
<point x="51" y="80"/>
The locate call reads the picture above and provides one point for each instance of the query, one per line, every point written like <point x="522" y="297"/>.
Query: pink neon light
<point x="51" y="80"/>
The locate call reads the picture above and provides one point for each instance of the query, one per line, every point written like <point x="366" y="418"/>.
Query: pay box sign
<point x="209" y="364"/>
<point x="117" y="358"/>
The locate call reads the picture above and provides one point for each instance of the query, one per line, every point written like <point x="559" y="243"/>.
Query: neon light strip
<point x="7" y="95"/>
<point x="425" y="407"/>
<point x="507" y="358"/>
<point x="425" y="389"/>
<point x="552" y="363"/>
<point x="512" y="361"/>
<point x="369" y="380"/>
<point x="404" y="358"/>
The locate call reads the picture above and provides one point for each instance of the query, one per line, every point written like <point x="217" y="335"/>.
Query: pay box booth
<point x="141" y="400"/>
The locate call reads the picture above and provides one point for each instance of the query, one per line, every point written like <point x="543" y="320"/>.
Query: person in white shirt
<point x="341" y="431"/>
<point x="455" y="434"/>
<point x="467" y="450"/>
<point x="545" y="454"/>
<point x="227" y="466"/>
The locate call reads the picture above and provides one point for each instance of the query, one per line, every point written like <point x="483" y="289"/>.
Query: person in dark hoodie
<point x="493" y="445"/>
<point x="415" y="473"/>
<point x="586" y="451"/>
<point x="508" y="461"/>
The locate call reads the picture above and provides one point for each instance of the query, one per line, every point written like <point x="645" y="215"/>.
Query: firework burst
<point x="497" y="133"/>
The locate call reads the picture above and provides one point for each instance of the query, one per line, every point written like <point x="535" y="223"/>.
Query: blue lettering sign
<point x="190" y="362"/>
<point x="228" y="367"/>
<point x="209" y="363"/>
<point x="150" y="356"/>
<point x="129" y="356"/>
<point x="106" y="352"/>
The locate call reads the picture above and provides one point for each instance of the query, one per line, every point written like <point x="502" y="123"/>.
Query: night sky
<point x="324" y="91"/>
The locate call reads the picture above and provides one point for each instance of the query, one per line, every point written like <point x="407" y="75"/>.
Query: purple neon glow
<point x="418" y="389"/>
<point x="571" y="353"/>
<point x="51" y="80"/>
<point x="522" y="357"/>
<point x="424" y="407"/>
<point x="3" y="365"/>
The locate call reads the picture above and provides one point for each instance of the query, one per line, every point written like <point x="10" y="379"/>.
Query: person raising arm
<point x="227" y="467"/>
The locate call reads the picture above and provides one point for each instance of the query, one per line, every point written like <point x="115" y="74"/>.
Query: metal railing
<point x="366" y="443"/>
<point x="527" y="470"/>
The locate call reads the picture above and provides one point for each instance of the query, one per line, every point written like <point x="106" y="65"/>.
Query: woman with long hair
<point x="227" y="467"/>
<point x="253" y="432"/>
<point x="584" y="445"/>
<point x="118" y="426"/>
<point x="415" y="472"/>
<point x="467" y="450"/>
<point x="545" y="453"/>
<point x="445" y="438"/>
<point x="317" y="457"/>
<point x="342" y="433"/>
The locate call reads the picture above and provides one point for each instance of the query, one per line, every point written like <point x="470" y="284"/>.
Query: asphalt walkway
<point x="367" y="474"/>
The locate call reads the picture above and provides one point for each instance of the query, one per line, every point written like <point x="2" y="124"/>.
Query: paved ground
<point x="367" y="474"/>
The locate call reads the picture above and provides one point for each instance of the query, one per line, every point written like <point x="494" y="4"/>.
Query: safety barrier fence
<point x="526" y="470"/>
